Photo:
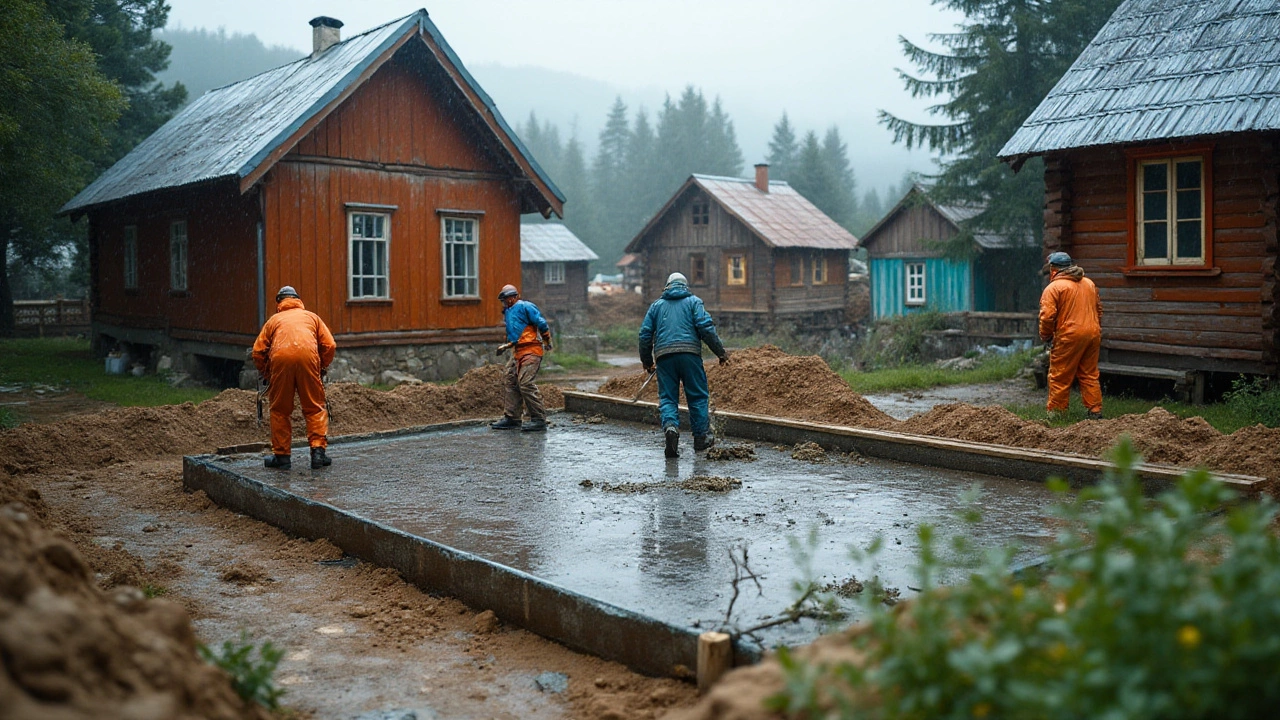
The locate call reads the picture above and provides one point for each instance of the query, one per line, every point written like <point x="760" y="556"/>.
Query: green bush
<point x="898" y="340"/>
<point x="1255" y="397"/>
<point x="1163" y="608"/>
<point x="619" y="338"/>
<point x="8" y="419"/>
<point x="252" y="679"/>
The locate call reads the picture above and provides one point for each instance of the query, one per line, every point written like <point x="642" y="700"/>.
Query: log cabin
<point x="554" y="265"/>
<point x="374" y="175"/>
<point x="1161" y="147"/>
<point x="759" y="254"/>
<point x="910" y="270"/>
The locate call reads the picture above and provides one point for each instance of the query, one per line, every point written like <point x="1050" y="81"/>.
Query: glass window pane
<point x="1189" y="174"/>
<point x="382" y="287"/>
<point x="1188" y="204"/>
<point x="1155" y="206"/>
<point x="366" y="252"/>
<point x="378" y="229"/>
<point x="381" y="267"/>
<point x="1155" y="176"/>
<point x="1189" y="239"/>
<point x="1155" y="240"/>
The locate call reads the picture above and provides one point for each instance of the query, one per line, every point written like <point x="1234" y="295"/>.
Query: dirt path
<point x="902" y="405"/>
<point x="45" y="404"/>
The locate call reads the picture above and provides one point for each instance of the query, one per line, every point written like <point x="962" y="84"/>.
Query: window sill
<point x="1170" y="271"/>
<point x="179" y="293"/>
<point x="460" y="301"/>
<point x="369" y="301"/>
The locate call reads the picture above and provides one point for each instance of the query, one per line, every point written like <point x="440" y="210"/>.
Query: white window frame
<point x="819" y="270"/>
<point x="179" y="245"/>
<point x="736" y="271"/>
<point x="380" y="274"/>
<point x="130" y="257"/>
<point x="915" y="284"/>
<point x="553" y="273"/>
<point x="452" y="240"/>
<point x="1171" y="220"/>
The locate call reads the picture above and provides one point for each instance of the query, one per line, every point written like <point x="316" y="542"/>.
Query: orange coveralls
<point x="292" y="348"/>
<point x="1071" y="316"/>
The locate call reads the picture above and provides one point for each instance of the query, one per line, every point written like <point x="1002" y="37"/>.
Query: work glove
<point x="724" y="359"/>
<point x="547" y="344"/>
<point x="649" y="369"/>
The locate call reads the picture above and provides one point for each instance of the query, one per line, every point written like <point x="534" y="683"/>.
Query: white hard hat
<point x="676" y="277"/>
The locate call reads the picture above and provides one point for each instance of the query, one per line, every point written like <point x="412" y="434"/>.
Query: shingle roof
<point x="781" y="217"/>
<point x="552" y="242"/>
<point x="1164" y="69"/>
<point x="230" y="131"/>
<point x="954" y="214"/>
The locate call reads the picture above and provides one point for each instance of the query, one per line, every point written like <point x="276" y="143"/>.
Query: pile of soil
<point x="695" y="483"/>
<point x="736" y="451"/>
<point x="123" y="434"/>
<point x="605" y="311"/>
<point x="71" y="650"/>
<point x="809" y="452"/>
<point x="767" y="381"/>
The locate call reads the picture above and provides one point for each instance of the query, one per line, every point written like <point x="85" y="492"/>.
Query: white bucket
<point x="116" y="365"/>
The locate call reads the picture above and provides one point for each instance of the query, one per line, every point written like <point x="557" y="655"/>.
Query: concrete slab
<point x="503" y="520"/>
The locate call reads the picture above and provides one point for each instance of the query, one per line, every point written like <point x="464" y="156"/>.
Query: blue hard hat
<point x="1059" y="259"/>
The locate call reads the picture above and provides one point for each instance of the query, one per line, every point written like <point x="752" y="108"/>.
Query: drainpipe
<point x="262" y="262"/>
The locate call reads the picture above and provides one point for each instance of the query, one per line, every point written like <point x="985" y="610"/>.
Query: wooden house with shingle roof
<point x="1162" y="152"/>
<point x="554" y="262"/>
<point x="375" y="176"/>
<point x="757" y="253"/>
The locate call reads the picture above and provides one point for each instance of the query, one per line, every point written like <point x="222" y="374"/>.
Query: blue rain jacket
<point x="521" y="315"/>
<point x="677" y="323"/>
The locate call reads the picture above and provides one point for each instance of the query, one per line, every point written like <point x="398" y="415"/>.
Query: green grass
<point x="69" y="363"/>
<point x="8" y="419"/>
<point x="1226" y="417"/>
<point x="618" y="338"/>
<point x="921" y="377"/>
<point x="574" y="362"/>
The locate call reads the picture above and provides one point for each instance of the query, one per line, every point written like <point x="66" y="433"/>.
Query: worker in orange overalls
<point x="1071" y="324"/>
<point x="292" y="353"/>
<point x="528" y="335"/>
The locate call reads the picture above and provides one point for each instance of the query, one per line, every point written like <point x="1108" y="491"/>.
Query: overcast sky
<point x="823" y="61"/>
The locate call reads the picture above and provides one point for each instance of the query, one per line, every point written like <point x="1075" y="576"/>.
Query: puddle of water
<point x="517" y="499"/>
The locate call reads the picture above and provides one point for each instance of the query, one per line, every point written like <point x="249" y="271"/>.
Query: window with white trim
<point x="1170" y="212"/>
<point x="178" y="255"/>
<point x="819" y="270"/>
<point x="737" y="270"/>
<point x="130" y="257"/>
<point x="368" y="250"/>
<point x="461" y="257"/>
<point x="915" y="284"/>
<point x="553" y="273"/>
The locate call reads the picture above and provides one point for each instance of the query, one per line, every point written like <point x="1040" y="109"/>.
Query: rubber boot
<point x="278" y="462"/>
<point x="319" y="459"/>
<point x="703" y="442"/>
<point x="1094" y="415"/>
<point x="506" y="423"/>
<point x="673" y="442"/>
<point x="535" y="425"/>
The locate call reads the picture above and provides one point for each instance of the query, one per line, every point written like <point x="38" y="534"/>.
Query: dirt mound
<point x="767" y="381"/>
<point x="604" y="311"/>
<point x="73" y="651"/>
<point x="122" y="434"/>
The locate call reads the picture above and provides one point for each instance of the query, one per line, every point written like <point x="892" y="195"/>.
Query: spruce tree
<point x="724" y="157"/>
<point x="609" y="191"/>
<point x="814" y="177"/>
<point x="782" y="150"/>
<point x="843" y="198"/>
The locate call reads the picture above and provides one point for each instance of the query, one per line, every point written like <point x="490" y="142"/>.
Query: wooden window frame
<point x="698" y="269"/>
<point x="179" y="257"/>
<point x="385" y="241"/>
<point x="1134" y="158"/>
<point x="819" y="262"/>
<point x="795" y="269"/>
<point x="553" y="273"/>
<point x="445" y="256"/>
<point x="924" y="284"/>
<point x="130" y="257"/>
<point x="701" y="213"/>
<point x="729" y="277"/>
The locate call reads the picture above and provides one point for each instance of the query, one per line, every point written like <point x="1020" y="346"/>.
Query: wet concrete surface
<point x="1014" y="391"/>
<point x="518" y="499"/>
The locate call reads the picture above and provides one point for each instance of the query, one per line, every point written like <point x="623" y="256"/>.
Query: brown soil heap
<point x="604" y="311"/>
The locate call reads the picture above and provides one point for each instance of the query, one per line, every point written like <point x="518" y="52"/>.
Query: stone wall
<point x="431" y="363"/>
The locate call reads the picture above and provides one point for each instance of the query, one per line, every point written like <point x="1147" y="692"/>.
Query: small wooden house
<point x="375" y="176"/>
<point x="632" y="267"/>
<point x="910" y="271"/>
<point x="757" y="253"/>
<point x="1162" y="153"/>
<point x="554" y="273"/>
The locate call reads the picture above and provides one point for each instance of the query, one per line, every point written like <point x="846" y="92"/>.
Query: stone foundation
<point x="430" y="363"/>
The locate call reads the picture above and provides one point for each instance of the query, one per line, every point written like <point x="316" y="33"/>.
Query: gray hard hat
<point x="676" y="277"/>
<point x="1059" y="259"/>
<point x="287" y="291"/>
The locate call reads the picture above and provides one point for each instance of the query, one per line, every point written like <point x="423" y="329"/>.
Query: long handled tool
<point x="262" y="388"/>
<point x="644" y="385"/>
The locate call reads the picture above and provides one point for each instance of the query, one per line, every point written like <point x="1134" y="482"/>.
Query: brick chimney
<point x="762" y="177"/>
<point x="325" y="33"/>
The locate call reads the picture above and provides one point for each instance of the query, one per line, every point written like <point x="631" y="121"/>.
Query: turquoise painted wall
<point x="948" y="286"/>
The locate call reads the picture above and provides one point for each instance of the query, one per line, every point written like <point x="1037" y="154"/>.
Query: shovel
<point x="644" y="385"/>
<point x="261" y="389"/>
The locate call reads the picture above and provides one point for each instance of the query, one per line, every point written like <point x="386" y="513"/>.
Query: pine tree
<point x="724" y="157"/>
<point x="814" y="177"/>
<point x="782" y="150"/>
<point x="843" y="198"/>
<point x="648" y="191"/>
<point x="609" y="189"/>
<point x="573" y="182"/>
<point x="995" y="70"/>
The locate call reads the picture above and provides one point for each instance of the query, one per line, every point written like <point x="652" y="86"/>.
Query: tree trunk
<point x="7" y="328"/>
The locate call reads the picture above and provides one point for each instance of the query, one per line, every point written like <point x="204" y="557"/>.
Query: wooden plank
<point x="1157" y="348"/>
<point x="1180" y="308"/>
<point x="1209" y="294"/>
<point x="1189" y="338"/>
<point x="715" y="658"/>
<point x="1152" y="320"/>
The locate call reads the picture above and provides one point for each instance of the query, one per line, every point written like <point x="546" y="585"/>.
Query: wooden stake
<point x="715" y="657"/>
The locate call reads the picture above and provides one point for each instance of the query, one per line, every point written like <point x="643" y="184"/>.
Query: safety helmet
<point x="1059" y="260"/>
<point x="676" y="277"/>
<point x="508" y="291"/>
<point x="287" y="291"/>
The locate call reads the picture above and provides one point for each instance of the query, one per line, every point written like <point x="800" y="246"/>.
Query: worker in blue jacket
<point x="672" y="335"/>
<point x="528" y="335"/>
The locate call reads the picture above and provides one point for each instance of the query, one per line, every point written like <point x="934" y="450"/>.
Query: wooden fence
<point x="56" y="317"/>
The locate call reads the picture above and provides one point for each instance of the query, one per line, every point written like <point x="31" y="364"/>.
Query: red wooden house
<point x="1162" y="153"/>
<point x="374" y="175"/>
